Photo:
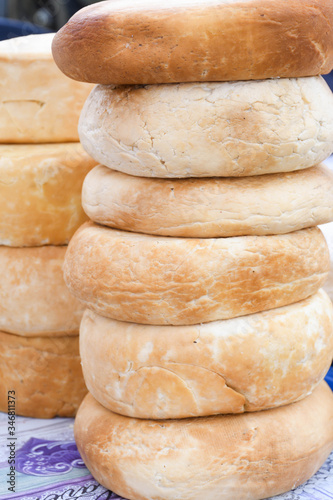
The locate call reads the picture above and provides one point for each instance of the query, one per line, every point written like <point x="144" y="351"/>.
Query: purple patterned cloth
<point x="38" y="457"/>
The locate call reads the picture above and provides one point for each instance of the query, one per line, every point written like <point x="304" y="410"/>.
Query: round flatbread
<point x="253" y="456"/>
<point x="242" y="364"/>
<point x="34" y="298"/>
<point x="40" y="192"/>
<point x="41" y="375"/>
<point x="128" y="42"/>
<point x="178" y="281"/>
<point x="38" y="104"/>
<point x="210" y="208"/>
<point x="230" y="129"/>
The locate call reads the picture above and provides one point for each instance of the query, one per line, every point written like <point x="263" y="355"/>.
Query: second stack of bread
<point x="202" y="276"/>
<point x="42" y="168"/>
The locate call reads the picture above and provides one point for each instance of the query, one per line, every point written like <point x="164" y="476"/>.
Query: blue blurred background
<point x="23" y="17"/>
<point x="329" y="79"/>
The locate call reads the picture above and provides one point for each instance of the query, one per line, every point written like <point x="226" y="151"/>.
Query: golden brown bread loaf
<point x="37" y="102"/>
<point x="160" y="280"/>
<point x="157" y="372"/>
<point x="240" y="457"/>
<point x="210" y="207"/>
<point x="128" y="42"/>
<point x="44" y="372"/>
<point x="327" y="229"/>
<point x="34" y="300"/>
<point x="210" y="129"/>
<point x="40" y="192"/>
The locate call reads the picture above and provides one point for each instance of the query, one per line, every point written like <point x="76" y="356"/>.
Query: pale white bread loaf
<point x="160" y="280"/>
<point x="327" y="229"/>
<point x="238" y="457"/>
<point x="157" y="372"/>
<point x="44" y="372"/>
<point x="210" y="207"/>
<point x="210" y="129"/>
<point x="40" y="192"/>
<point x="34" y="300"/>
<point x="149" y="41"/>
<point x="37" y="102"/>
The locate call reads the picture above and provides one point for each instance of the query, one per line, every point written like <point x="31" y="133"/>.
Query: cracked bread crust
<point x="243" y="457"/>
<point x="121" y="42"/>
<point x="210" y="129"/>
<point x="178" y="281"/>
<point x="163" y="372"/>
<point x="210" y="207"/>
<point x="40" y="192"/>
<point x="38" y="104"/>
<point x="34" y="298"/>
<point x="44" y="372"/>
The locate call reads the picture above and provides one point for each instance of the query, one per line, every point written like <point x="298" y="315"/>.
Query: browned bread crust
<point x="161" y="280"/>
<point x="44" y="372"/>
<point x="126" y="42"/>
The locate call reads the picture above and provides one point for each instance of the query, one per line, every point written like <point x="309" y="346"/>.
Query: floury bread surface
<point x="166" y="372"/>
<point x="243" y="457"/>
<point x="211" y="207"/>
<point x="40" y="192"/>
<point x="128" y="42"/>
<point x="210" y="129"/>
<point x="37" y="102"/>
<point x="160" y="280"/>
<point x="34" y="300"/>
<point x="44" y="372"/>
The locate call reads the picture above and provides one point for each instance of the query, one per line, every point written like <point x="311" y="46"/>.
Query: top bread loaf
<point x="147" y="41"/>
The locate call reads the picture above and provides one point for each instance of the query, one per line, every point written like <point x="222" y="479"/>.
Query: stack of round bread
<point x="42" y="167"/>
<point x="201" y="275"/>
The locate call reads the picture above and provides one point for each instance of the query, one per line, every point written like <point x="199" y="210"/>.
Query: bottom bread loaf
<point x="42" y="375"/>
<point x="240" y="457"/>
